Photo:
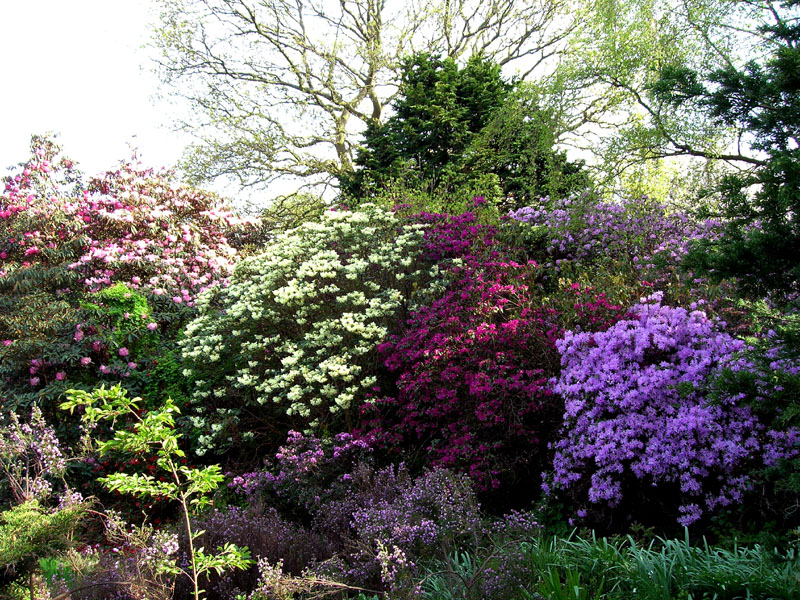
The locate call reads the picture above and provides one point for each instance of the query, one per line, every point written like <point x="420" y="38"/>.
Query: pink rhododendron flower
<point x="152" y="326"/>
<point x="124" y="352"/>
<point x="61" y="375"/>
<point x="86" y="360"/>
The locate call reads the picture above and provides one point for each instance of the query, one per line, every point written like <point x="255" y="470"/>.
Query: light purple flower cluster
<point x="636" y="404"/>
<point x="30" y="456"/>
<point x="305" y="468"/>
<point x="431" y="512"/>
<point x="637" y="230"/>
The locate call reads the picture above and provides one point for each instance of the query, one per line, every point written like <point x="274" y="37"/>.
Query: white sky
<point x="77" y="67"/>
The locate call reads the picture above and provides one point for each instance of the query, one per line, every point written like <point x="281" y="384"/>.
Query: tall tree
<point x="762" y="99"/>
<point x="601" y="92"/>
<point x="439" y="110"/>
<point x="462" y="130"/>
<point x="282" y="88"/>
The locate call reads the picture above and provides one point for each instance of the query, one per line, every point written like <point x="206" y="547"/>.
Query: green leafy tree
<point x="518" y="146"/>
<point x="462" y="130"/>
<point x="762" y="242"/>
<point x="154" y="432"/>
<point x="602" y="103"/>
<point x="438" y="112"/>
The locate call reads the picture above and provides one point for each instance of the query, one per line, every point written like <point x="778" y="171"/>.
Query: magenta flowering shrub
<point x="456" y="236"/>
<point x="638" y="414"/>
<point x="471" y="373"/>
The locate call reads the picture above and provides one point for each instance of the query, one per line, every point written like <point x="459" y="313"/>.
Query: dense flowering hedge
<point x="638" y="408"/>
<point x="295" y="331"/>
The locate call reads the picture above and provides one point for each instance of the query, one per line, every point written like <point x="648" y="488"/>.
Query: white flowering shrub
<point x="294" y="333"/>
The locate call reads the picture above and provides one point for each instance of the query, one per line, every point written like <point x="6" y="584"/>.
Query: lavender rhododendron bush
<point x="619" y="246"/>
<point x="638" y="410"/>
<point x="637" y="231"/>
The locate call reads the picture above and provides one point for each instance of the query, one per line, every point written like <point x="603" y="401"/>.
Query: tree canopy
<point x="762" y="244"/>
<point x="465" y="129"/>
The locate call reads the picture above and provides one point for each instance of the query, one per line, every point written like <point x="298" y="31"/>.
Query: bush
<point x="61" y="240"/>
<point x="294" y="334"/>
<point x="638" y="407"/>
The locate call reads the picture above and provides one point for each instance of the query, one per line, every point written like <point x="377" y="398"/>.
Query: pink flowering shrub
<point x="154" y="235"/>
<point x="638" y="416"/>
<point x="61" y="241"/>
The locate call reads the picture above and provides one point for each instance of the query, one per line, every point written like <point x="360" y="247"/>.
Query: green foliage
<point x="191" y="488"/>
<point x="166" y="380"/>
<point x="294" y="333"/>
<point x="517" y="147"/>
<point x="28" y="532"/>
<point x="584" y="568"/>
<point x="123" y="313"/>
<point x="462" y="132"/>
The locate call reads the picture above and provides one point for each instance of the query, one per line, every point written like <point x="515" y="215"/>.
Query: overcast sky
<point x="76" y="67"/>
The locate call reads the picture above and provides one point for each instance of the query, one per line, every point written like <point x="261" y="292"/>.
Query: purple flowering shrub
<point x="638" y="411"/>
<point x="428" y="515"/>
<point x="377" y="522"/>
<point x="619" y="247"/>
<point x="31" y="459"/>
<point x="306" y="473"/>
<point x="637" y="231"/>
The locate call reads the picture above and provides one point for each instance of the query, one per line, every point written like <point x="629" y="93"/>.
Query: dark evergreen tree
<point x="762" y="242"/>
<point x="451" y="127"/>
